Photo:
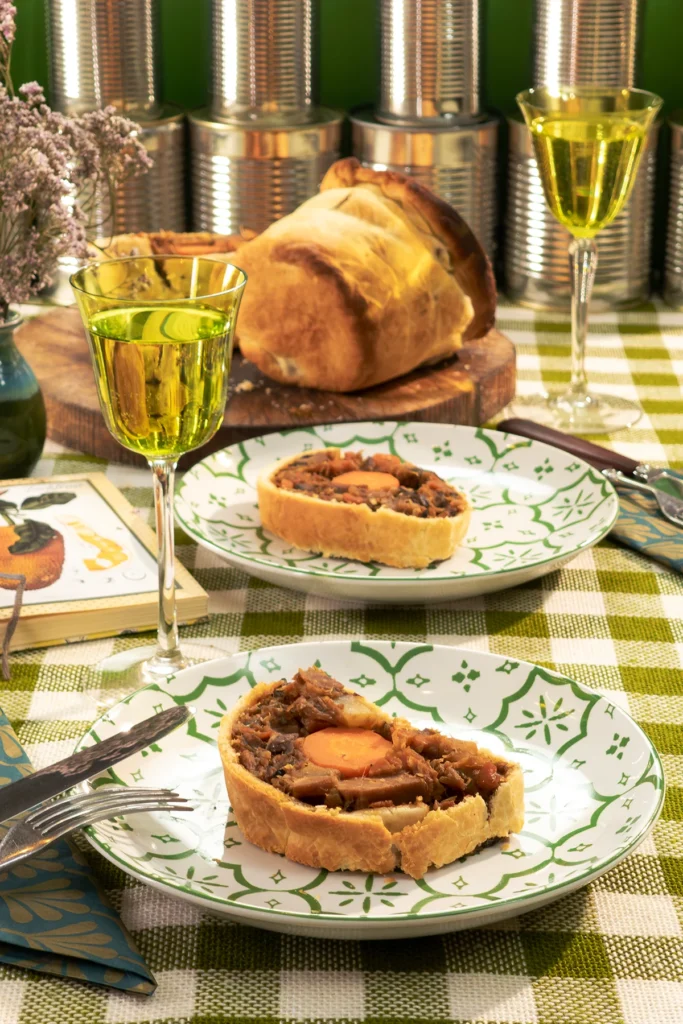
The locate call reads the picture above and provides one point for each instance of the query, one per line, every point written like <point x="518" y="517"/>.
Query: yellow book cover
<point x="88" y="559"/>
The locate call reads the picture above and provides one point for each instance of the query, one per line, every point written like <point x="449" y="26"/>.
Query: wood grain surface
<point x="469" y="388"/>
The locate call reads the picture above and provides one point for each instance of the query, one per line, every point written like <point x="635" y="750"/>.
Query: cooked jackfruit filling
<point x="379" y="481"/>
<point x="276" y="741"/>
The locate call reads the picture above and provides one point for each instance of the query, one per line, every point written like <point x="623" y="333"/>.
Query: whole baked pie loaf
<point x="362" y="283"/>
<point x="375" y="509"/>
<point x="366" y="281"/>
<point x="318" y="773"/>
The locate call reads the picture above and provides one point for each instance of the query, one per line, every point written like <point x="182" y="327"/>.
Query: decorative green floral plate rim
<point x="534" y="508"/>
<point x="593" y="789"/>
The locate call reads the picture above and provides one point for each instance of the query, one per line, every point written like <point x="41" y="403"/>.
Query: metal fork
<point x="670" y="504"/>
<point x="51" y="821"/>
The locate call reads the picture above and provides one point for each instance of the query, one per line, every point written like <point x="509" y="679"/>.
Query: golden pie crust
<point x="335" y="529"/>
<point x="408" y="837"/>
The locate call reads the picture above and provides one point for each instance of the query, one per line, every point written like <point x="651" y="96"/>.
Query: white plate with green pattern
<point x="534" y="508"/>
<point x="593" y="789"/>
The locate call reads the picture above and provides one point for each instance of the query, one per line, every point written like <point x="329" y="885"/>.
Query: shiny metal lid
<point x="267" y="142"/>
<point x="394" y="145"/>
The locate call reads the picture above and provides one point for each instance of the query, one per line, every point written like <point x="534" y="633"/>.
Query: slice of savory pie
<point x="370" y="509"/>
<point x="173" y="243"/>
<point x="318" y="773"/>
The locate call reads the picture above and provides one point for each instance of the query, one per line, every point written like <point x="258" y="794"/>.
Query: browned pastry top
<point x="448" y="236"/>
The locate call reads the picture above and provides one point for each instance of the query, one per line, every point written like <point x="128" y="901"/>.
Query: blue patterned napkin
<point x="53" y="917"/>
<point x="642" y="526"/>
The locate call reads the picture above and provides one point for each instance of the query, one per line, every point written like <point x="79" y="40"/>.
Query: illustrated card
<point x="88" y="559"/>
<point x="70" y="544"/>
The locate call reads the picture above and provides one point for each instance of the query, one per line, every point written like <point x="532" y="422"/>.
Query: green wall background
<point x="348" y="65"/>
<point x="348" y="48"/>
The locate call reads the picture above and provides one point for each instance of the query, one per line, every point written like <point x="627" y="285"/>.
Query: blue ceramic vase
<point x="22" y="409"/>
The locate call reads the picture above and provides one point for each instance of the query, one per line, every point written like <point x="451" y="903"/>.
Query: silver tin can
<point x="248" y="177"/>
<point x="154" y="201"/>
<point x="673" y="264"/>
<point x="263" y="59"/>
<point x="458" y="163"/>
<point x="102" y="52"/>
<point x="430" y="60"/>
<point x="586" y="42"/>
<point x="536" y="262"/>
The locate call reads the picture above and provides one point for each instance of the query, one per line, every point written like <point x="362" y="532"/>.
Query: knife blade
<point x="599" y="458"/>
<point x="56" y="778"/>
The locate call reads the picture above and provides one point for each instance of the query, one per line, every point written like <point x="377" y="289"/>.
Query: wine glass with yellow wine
<point x="588" y="142"/>
<point x="161" y="330"/>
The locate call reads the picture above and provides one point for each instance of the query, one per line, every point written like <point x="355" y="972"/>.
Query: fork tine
<point x="113" y="806"/>
<point x="43" y="815"/>
<point x="83" y="818"/>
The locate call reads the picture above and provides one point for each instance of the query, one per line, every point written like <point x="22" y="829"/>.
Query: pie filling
<point x="300" y="740"/>
<point x="380" y="481"/>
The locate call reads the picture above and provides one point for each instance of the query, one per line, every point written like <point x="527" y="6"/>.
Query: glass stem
<point x="583" y="261"/>
<point x="168" y="657"/>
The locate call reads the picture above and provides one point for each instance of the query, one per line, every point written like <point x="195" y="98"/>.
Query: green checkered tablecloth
<point x="609" y="954"/>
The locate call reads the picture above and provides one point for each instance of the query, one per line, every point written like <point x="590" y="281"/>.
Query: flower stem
<point x="5" y="62"/>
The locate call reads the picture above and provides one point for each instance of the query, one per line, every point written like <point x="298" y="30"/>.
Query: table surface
<point x="611" y="953"/>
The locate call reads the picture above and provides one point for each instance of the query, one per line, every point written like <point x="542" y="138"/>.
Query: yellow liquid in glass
<point x="162" y="375"/>
<point x="587" y="166"/>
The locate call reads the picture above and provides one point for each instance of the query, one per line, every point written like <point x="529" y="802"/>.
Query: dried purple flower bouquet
<point x="51" y="168"/>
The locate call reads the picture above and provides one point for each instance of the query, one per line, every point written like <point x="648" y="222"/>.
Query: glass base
<point x="122" y="673"/>
<point x="578" y="414"/>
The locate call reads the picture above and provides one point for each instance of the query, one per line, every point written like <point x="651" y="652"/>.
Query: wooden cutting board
<point x="469" y="388"/>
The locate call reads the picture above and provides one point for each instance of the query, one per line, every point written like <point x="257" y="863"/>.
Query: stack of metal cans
<point x="578" y="42"/>
<point x="263" y="146"/>
<point x="429" y="122"/>
<point x="107" y="52"/>
<point x="673" y="266"/>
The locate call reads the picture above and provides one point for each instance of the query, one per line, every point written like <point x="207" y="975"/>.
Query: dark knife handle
<point x="598" y="457"/>
<point x="48" y="782"/>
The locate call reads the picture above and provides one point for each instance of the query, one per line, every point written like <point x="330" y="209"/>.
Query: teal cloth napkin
<point x="642" y="526"/>
<point x="53" y="916"/>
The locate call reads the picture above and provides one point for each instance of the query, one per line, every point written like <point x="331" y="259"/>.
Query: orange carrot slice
<point x="350" y="751"/>
<point x="365" y="478"/>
